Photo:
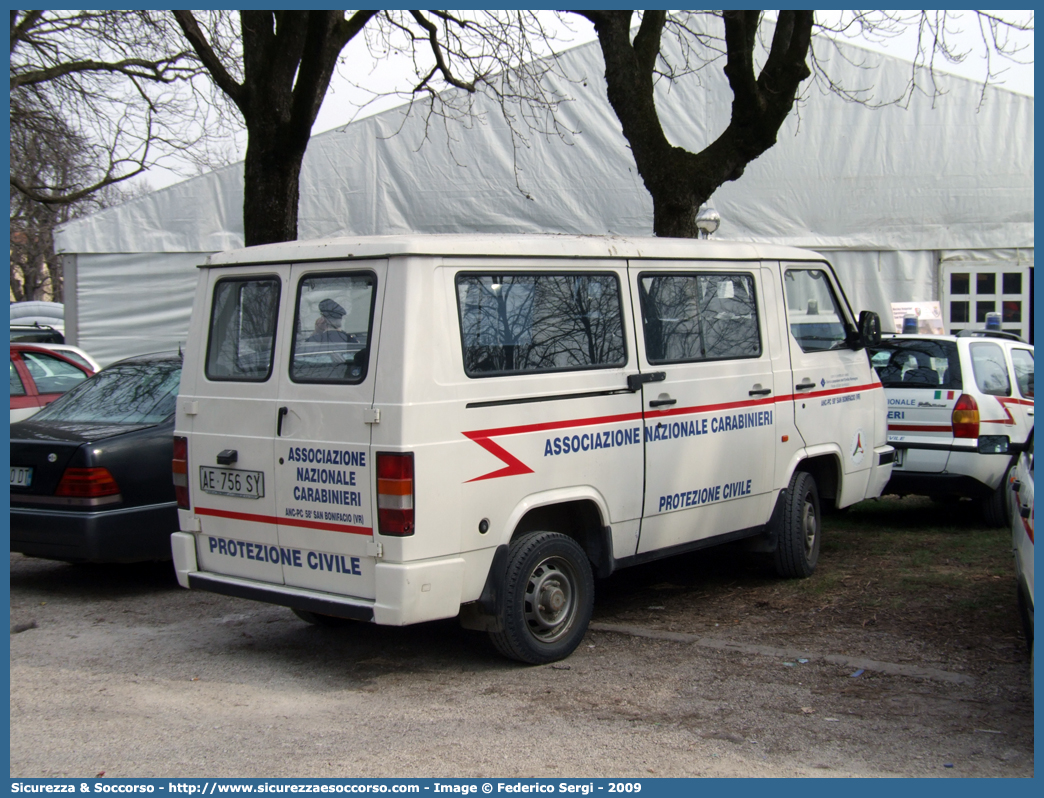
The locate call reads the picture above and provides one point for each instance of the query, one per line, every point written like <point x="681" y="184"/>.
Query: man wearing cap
<point x="328" y="325"/>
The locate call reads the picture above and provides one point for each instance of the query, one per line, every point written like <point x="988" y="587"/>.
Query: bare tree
<point x="46" y="151"/>
<point x="763" y="96"/>
<point x="275" y="68"/>
<point x="120" y="80"/>
<point x="938" y="44"/>
<point x="278" y="86"/>
<point x="96" y="98"/>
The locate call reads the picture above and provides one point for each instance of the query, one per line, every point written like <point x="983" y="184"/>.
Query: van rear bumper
<point x="406" y="592"/>
<point x="357" y="610"/>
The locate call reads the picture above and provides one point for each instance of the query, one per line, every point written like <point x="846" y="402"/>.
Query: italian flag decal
<point x="939" y="395"/>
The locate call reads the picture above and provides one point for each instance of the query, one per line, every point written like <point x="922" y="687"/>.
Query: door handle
<point x="759" y="391"/>
<point x="636" y="381"/>
<point x="666" y="401"/>
<point x="279" y="424"/>
<point x="805" y="385"/>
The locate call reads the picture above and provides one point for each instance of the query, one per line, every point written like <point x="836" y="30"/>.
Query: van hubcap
<point x="550" y="599"/>
<point x="808" y="520"/>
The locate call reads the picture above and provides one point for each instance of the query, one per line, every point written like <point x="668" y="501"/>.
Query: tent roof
<point x="958" y="175"/>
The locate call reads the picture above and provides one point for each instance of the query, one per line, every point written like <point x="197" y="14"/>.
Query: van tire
<point x="552" y="566"/>
<point x="801" y="529"/>
<point x="995" y="510"/>
<point x="318" y="619"/>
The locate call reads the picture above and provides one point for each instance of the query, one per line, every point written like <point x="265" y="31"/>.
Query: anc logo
<point x="857" y="450"/>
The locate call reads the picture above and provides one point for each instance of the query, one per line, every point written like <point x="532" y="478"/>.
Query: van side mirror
<point x="869" y="332"/>
<point x="870" y="327"/>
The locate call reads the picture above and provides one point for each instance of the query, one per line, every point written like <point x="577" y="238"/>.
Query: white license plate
<point x="900" y="455"/>
<point x="21" y="476"/>
<point x="232" y="482"/>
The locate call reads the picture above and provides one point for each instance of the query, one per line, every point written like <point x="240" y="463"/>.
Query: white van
<point x="400" y="429"/>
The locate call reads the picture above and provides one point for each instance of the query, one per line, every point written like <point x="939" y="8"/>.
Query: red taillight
<point x="965" y="417"/>
<point x="87" y="483"/>
<point x="395" y="494"/>
<point x="179" y="465"/>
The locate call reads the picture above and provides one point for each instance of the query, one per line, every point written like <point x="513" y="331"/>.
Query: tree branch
<point x="436" y="49"/>
<point x="27" y="22"/>
<point x="75" y="196"/>
<point x="647" y="40"/>
<point x="209" y="58"/>
<point x="130" y="67"/>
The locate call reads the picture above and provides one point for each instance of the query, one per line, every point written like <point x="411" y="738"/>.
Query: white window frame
<point x="973" y="269"/>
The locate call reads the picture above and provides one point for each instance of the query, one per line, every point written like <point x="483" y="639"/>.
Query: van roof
<point x="479" y="245"/>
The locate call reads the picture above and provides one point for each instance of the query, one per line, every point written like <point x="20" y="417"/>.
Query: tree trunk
<point x="680" y="181"/>
<point x="675" y="209"/>
<point x="288" y="59"/>
<point x="271" y="187"/>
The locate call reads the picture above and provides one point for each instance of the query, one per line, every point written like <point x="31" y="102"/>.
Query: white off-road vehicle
<point x="960" y="410"/>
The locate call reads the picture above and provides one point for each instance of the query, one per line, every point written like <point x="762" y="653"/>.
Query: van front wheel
<point x="548" y="599"/>
<point x="797" y="545"/>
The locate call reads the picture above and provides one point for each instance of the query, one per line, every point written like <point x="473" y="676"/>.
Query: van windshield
<point x="917" y="363"/>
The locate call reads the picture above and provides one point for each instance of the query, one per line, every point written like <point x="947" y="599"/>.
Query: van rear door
<point x="323" y="463"/>
<point x="229" y="413"/>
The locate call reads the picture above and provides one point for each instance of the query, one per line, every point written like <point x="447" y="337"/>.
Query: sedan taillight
<point x="395" y="494"/>
<point x="965" y="417"/>
<point x="179" y="465"/>
<point x="87" y="483"/>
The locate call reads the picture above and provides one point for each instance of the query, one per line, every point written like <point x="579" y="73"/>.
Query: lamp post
<point x="707" y="221"/>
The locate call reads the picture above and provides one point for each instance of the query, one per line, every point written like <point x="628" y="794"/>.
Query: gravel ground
<point x="692" y="668"/>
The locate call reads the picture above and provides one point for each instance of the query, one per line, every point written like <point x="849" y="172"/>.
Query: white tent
<point x="901" y="199"/>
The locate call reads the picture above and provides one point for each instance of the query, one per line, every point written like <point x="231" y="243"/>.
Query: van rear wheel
<point x="800" y="531"/>
<point x="548" y="599"/>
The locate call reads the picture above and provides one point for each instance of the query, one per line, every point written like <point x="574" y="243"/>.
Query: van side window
<point x="513" y="323"/>
<point x="813" y="313"/>
<point x="242" y="329"/>
<point x="1022" y="360"/>
<point x="332" y="322"/>
<point x="688" y="317"/>
<point x="991" y="372"/>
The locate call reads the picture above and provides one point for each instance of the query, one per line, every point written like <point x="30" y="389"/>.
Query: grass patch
<point x="917" y="560"/>
<point x="896" y="569"/>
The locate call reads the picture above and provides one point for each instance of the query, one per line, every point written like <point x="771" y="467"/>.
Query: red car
<point x="39" y="376"/>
